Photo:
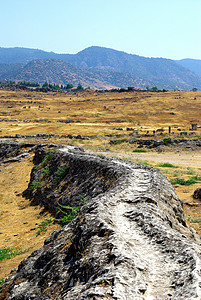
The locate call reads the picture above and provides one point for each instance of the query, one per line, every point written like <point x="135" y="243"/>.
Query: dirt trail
<point x="187" y="158"/>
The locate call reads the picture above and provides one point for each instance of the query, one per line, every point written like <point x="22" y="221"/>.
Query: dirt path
<point x="188" y="158"/>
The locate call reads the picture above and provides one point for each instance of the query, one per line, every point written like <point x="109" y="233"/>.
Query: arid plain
<point x="92" y="119"/>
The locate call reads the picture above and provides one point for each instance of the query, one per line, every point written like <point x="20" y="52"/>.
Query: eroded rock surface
<point x="128" y="241"/>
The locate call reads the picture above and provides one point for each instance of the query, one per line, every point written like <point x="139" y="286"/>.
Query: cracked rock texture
<point x="128" y="241"/>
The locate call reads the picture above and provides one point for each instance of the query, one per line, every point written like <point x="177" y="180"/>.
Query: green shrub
<point x="196" y="177"/>
<point x="167" y="141"/>
<point x="140" y="150"/>
<point x="166" y="165"/>
<point x="182" y="181"/>
<point x="118" y="142"/>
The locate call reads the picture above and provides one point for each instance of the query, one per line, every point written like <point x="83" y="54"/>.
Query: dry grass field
<point x="96" y="113"/>
<point x="98" y="116"/>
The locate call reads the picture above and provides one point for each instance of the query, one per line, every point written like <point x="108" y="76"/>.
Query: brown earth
<point x="18" y="219"/>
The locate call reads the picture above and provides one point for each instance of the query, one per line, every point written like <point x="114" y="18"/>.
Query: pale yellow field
<point x="99" y="113"/>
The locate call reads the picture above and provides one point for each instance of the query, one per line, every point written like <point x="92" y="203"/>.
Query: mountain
<point x="163" y="72"/>
<point x="126" y="68"/>
<point x="61" y="72"/>
<point x="9" y="70"/>
<point x="24" y="55"/>
<point x="192" y="64"/>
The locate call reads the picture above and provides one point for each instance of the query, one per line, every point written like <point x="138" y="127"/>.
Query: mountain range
<point x="99" y="67"/>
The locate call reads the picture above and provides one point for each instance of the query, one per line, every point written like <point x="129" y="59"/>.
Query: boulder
<point x="197" y="194"/>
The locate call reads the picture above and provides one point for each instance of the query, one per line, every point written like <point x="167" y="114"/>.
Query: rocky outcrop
<point x="128" y="241"/>
<point x="188" y="144"/>
<point x="10" y="149"/>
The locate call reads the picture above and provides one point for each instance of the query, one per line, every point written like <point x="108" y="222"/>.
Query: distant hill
<point x="9" y="70"/>
<point x="61" y="72"/>
<point x="163" y="72"/>
<point x="107" y="67"/>
<point x="192" y="64"/>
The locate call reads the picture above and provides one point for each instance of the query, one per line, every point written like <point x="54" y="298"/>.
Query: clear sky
<point x="152" y="28"/>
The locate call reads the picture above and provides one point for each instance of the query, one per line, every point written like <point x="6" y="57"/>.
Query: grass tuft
<point x="167" y="165"/>
<point x="68" y="216"/>
<point x="140" y="150"/>
<point x="43" y="226"/>
<point x="34" y="185"/>
<point x="182" y="181"/>
<point x="9" y="252"/>
<point x="60" y="174"/>
<point x="46" y="159"/>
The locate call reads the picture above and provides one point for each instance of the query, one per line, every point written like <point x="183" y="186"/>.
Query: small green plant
<point x="195" y="221"/>
<point x="34" y="185"/>
<point x="172" y="113"/>
<point x="189" y="171"/>
<point x="46" y="172"/>
<point x="82" y="198"/>
<point x="182" y="181"/>
<point x="9" y="252"/>
<point x="71" y="213"/>
<point x="46" y="159"/>
<point x="167" y="165"/>
<point x="196" y="177"/>
<point x="177" y="173"/>
<point x="1" y="282"/>
<point x="140" y="150"/>
<point x="118" y="142"/>
<point x="142" y="162"/>
<point x="60" y="174"/>
<point x="167" y="141"/>
<point x="68" y="216"/>
<point x="43" y="226"/>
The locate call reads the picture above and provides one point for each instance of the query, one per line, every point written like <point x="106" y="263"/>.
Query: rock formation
<point x="128" y="241"/>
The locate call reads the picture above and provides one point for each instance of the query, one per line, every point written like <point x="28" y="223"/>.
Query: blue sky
<point x="152" y="28"/>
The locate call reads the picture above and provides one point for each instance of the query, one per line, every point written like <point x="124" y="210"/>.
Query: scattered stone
<point x="197" y="194"/>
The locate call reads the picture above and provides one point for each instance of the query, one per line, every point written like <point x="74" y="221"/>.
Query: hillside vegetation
<point x="96" y="66"/>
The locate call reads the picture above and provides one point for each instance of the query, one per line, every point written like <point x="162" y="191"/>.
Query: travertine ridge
<point x="128" y="241"/>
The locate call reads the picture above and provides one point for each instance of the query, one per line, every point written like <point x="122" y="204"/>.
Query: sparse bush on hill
<point x="154" y="88"/>
<point x="79" y="87"/>
<point x="28" y="83"/>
